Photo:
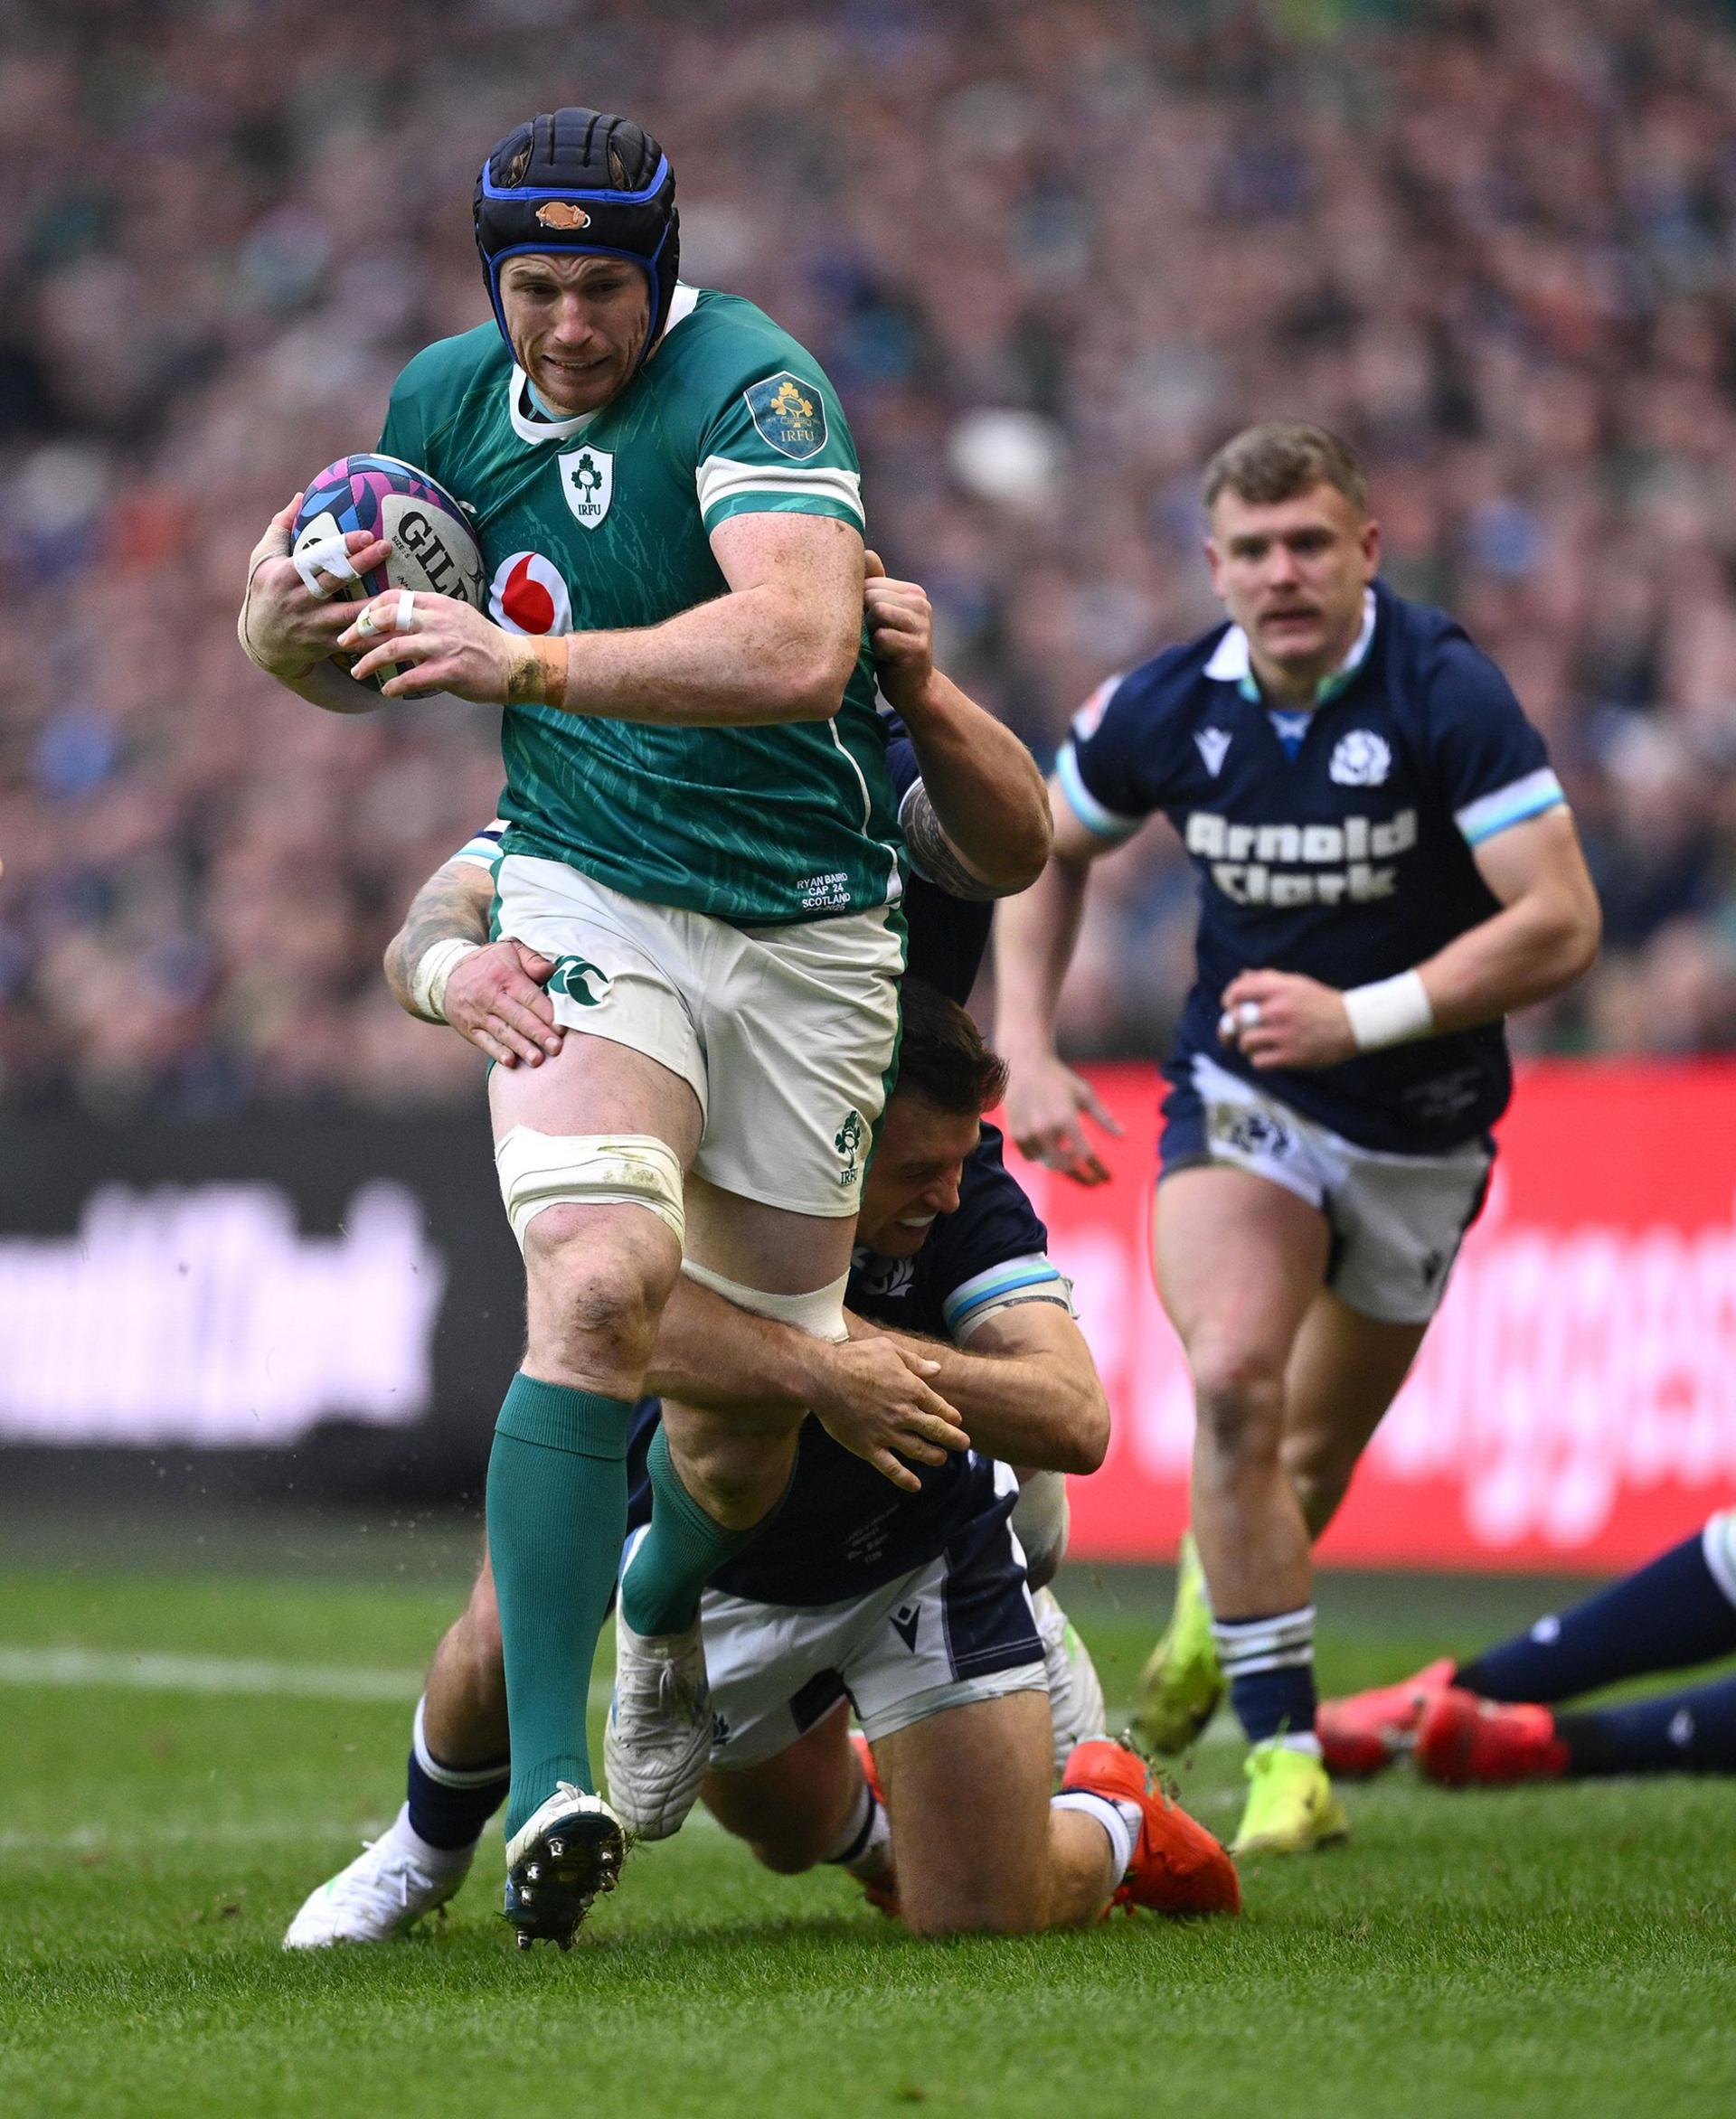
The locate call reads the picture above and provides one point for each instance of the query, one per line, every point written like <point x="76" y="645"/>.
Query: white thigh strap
<point x="820" y="1313"/>
<point x="539" y="1170"/>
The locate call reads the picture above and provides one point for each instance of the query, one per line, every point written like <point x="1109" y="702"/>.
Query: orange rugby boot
<point x="1465" y="1742"/>
<point x="1177" y="1867"/>
<point x="881" y="1892"/>
<point x="1364" y="1733"/>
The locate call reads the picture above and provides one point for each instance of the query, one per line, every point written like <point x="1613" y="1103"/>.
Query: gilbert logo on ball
<point x="528" y="595"/>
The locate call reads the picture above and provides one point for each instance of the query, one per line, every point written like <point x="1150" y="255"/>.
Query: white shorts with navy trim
<point x="955" y="1630"/>
<point x="1397" y="1220"/>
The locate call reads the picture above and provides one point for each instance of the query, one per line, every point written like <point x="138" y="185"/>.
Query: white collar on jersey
<point x="531" y="425"/>
<point x="1230" y="663"/>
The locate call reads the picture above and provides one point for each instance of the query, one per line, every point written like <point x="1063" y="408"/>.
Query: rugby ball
<point x="435" y="548"/>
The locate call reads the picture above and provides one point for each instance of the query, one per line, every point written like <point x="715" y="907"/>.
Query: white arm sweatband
<point x="427" y="981"/>
<point x="1389" y="1011"/>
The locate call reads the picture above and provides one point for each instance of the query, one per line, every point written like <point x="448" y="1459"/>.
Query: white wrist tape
<point x="1389" y="1011"/>
<point x="436" y="965"/>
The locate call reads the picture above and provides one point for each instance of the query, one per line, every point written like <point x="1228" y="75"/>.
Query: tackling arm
<point x="1026" y="1385"/>
<point x="978" y="824"/>
<point x="492" y="993"/>
<point x="871" y="1396"/>
<point x="452" y="906"/>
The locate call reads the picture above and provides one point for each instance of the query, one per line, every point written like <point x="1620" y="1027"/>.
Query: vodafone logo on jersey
<point x="528" y="595"/>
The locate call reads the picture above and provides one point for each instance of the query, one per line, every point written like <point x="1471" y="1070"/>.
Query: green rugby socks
<point x="557" y="1515"/>
<point x="677" y="1555"/>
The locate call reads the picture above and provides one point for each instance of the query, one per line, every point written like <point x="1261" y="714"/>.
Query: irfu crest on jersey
<point x="588" y="480"/>
<point x="788" y="414"/>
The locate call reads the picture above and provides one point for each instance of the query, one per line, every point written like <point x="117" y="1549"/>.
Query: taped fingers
<point x="326" y="555"/>
<point x="378" y="621"/>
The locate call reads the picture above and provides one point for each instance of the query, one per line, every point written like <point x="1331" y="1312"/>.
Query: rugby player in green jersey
<point x="703" y="842"/>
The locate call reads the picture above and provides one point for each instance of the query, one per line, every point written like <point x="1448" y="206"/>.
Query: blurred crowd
<point x="1051" y="254"/>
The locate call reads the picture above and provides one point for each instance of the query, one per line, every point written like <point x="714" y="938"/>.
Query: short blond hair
<point x="1282" y="459"/>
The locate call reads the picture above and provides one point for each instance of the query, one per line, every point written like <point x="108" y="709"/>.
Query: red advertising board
<point x="1575" y="1401"/>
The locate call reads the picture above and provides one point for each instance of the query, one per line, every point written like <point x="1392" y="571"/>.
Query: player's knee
<point x="987" y="1905"/>
<point x="1239" y="1392"/>
<point x="786" y="1853"/>
<point x="596" y="1286"/>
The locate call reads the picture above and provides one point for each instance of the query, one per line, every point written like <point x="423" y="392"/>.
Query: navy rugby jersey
<point x="1349" y="861"/>
<point x="842" y="1530"/>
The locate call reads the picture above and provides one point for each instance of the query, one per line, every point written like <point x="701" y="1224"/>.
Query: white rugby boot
<point x="385" y="1891"/>
<point x="565" y="1854"/>
<point x="1076" y="1709"/>
<point x="657" y="1743"/>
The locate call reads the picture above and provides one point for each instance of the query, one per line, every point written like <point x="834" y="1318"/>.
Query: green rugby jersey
<point x="600" y="523"/>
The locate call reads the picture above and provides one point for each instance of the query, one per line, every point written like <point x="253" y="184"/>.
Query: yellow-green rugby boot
<point x="1182" y="1684"/>
<point x="1292" y="1806"/>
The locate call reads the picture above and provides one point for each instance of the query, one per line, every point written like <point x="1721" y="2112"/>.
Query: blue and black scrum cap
<point x="582" y="184"/>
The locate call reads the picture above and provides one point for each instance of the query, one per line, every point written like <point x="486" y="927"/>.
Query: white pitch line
<point x="100" y="1839"/>
<point x="123" y="1839"/>
<point x="218" y="1674"/>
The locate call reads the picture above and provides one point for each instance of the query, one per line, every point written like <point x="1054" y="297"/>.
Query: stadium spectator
<point x="1491" y="246"/>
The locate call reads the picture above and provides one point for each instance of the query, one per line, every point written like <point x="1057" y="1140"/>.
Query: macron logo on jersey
<point x="1339" y="859"/>
<point x="1214" y="748"/>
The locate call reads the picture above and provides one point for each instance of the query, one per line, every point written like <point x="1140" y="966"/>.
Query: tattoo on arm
<point x="935" y="855"/>
<point x="451" y="906"/>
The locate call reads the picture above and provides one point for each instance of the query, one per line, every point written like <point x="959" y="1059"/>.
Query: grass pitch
<point x="185" y="1754"/>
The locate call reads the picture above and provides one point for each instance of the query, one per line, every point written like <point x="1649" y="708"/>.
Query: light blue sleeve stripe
<point x="986" y="1290"/>
<point x="481" y="850"/>
<point x="1084" y="804"/>
<point x="1512" y="804"/>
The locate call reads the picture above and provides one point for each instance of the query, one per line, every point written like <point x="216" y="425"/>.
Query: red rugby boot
<point x="881" y="1892"/>
<point x="1364" y="1733"/>
<point x="1177" y="1867"/>
<point x="1465" y="1742"/>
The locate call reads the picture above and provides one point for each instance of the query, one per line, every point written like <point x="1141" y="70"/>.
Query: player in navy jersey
<point x="1386" y="867"/>
<point x="912" y="1604"/>
<point x="1490" y="1720"/>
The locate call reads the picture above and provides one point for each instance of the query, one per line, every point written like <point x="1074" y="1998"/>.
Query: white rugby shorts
<point x="1397" y="1220"/>
<point x="785" y="1033"/>
<point x="939" y="1637"/>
